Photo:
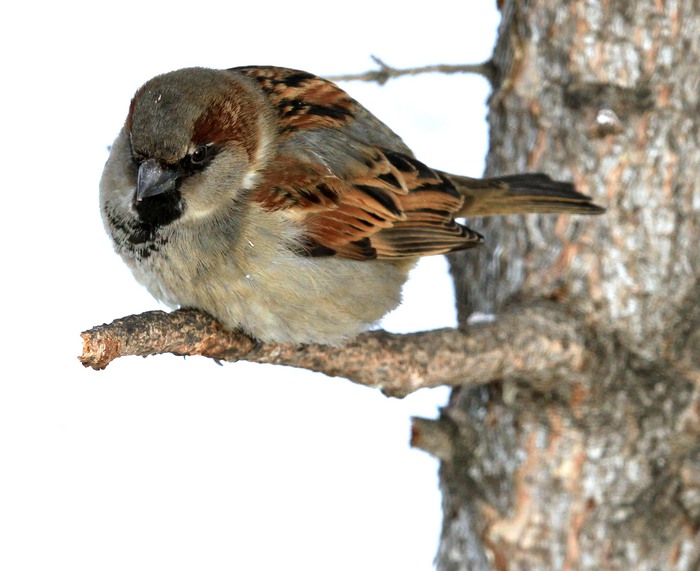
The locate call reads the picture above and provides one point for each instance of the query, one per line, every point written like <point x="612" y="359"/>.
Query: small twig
<point x="537" y="342"/>
<point x="433" y="436"/>
<point x="386" y="72"/>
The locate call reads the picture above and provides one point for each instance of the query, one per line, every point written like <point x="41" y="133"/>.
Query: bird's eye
<point x="200" y="155"/>
<point x="199" y="158"/>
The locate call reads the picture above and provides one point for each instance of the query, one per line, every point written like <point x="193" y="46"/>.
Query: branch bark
<point x="534" y="342"/>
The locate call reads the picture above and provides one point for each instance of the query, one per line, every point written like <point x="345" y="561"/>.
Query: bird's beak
<point x="153" y="179"/>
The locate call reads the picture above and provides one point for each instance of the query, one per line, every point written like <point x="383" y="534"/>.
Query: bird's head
<point x="195" y="139"/>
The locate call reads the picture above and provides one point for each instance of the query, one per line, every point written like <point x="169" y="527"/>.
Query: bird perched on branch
<point x="270" y="199"/>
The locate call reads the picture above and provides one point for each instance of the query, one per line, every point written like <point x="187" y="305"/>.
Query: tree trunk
<point x="600" y="470"/>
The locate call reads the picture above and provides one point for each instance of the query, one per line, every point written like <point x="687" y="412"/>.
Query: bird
<point x="270" y="199"/>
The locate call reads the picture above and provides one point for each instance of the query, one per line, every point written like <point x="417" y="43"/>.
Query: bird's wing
<point x="349" y="179"/>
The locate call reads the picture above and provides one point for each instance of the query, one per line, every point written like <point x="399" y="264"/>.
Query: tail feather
<point x="521" y="194"/>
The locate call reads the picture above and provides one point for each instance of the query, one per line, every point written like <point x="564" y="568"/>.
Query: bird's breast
<point x="254" y="279"/>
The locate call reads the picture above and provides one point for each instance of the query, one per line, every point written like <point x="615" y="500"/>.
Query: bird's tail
<point x="521" y="194"/>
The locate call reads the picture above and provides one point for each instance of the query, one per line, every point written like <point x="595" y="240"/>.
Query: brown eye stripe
<point x="226" y="121"/>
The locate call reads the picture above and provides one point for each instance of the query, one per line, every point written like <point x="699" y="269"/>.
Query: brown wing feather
<point x="404" y="210"/>
<point x="349" y="179"/>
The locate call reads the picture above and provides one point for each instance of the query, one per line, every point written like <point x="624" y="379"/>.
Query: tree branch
<point x="386" y="72"/>
<point x="536" y="342"/>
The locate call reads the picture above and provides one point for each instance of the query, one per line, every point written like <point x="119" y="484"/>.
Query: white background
<point x="167" y="463"/>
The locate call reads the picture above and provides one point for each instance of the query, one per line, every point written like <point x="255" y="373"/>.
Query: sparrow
<point x="270" y="199"/>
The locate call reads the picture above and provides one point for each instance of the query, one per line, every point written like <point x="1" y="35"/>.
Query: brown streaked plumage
<point x="303" y="101"/>
<point x="271" y="199"/>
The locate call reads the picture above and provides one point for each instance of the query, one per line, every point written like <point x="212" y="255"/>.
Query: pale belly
<point x="281" y="298"/>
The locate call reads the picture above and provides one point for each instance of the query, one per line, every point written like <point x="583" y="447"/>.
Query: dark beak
<point x="153" y="179"/>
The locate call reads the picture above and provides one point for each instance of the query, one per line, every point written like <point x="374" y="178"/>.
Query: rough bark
<point x="601" y="471"/>
<point x="548" y="344"/>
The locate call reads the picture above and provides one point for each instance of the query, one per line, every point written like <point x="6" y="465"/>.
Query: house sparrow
<point x="270" y="199"/>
